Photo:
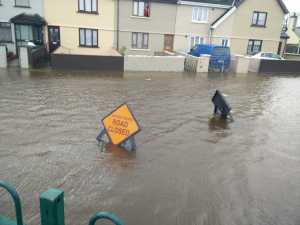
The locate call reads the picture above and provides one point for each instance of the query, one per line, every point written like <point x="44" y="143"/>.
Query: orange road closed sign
<point x="120" y="124"/>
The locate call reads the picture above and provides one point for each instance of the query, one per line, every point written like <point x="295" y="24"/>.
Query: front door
<point x="169" y="40"/>
<point x="54" y="38"/>
<point x="279" y="48"/>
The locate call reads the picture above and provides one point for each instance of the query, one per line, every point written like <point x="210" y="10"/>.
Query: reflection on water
<point x="217" y="123"/>
<point x="189" y="168"/>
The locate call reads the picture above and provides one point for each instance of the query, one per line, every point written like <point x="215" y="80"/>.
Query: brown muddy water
<point x="188" y="169"/>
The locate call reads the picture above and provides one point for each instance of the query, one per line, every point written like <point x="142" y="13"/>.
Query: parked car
<point x="268" y="56"/>
<point x="219" y="56"/>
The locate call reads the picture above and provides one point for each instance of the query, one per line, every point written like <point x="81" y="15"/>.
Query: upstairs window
<point x="88" y="37"/>
<point x="254" y="46"/>
<point x="22" y="3"/>
<point x="141" y="8"/>
<point x="200" y="15"/>
<point x="5" y="32"/>
<point x="259" y="19"/>
<point x="88" y="6"/>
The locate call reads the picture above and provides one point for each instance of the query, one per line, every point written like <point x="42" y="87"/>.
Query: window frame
<point x="200" y="9"/>
<point x="86" y="11"/>
<point x="256" y="22"/>
<point x="11" y="37"/>
<point x="85" y="45"/>
<point x="22" y="6"/>
<point x="252" y="46"/>
<point x="138" y="1"/>
<point x="225" y="40"/>
<point x="194" y="42"/>
<point x="143" y="34"/>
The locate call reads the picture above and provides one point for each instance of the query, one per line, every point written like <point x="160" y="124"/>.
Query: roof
<point x="29" y="19"/>
<point x="220" y="17"/>
<point x="280" y="2"/>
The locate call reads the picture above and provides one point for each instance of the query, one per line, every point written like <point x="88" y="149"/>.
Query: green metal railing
<point x="107" y="216"/>
<point x="51" y="209"/>
<point x="17" y="201"/>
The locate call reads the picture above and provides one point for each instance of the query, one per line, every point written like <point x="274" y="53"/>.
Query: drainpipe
<point x="210" y="35"/>
<point x="118" y="22"/>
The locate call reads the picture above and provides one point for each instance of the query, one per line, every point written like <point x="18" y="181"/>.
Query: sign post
<point x="120" y="126"/>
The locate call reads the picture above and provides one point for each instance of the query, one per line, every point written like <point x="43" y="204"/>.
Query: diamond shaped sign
<point x="120" y="124"/>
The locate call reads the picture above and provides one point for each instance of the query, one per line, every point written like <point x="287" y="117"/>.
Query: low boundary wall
<point x="154" y="63"/>
<point x="196" y="64"/>
<point x="279" y="66"/>
<point x="3" y="57"/>
<point x="87" y="62"/>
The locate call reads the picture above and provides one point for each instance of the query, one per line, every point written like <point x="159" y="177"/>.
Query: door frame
<point x="48" y="30"/>
<point x="172" y="47"/>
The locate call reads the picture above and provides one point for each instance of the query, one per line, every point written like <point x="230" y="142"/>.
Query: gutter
<point x="223" y="18"/>
<point x="209" y="5"/>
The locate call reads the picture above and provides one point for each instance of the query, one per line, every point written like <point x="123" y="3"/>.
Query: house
<point x="21" y="22"/>
<point x="194" y="20"/>
<point x="251" y="26"/>
<point x="247" y="26"/>
<point x="146" y="27"/>
<point x="293" y="44"/>
<point x="81" y="27"/>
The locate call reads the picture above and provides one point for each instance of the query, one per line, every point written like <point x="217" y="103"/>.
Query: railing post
<point x="52" y="207"/>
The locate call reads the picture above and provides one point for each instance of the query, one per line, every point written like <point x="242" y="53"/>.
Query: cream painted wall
<point x="161" y="21"/>
<point x="156" y="44"/>
<point x="184" y="27"/>
<point x="238" y="26"/>
<point x="162" y="18"/>
<point x="64" y="14"/>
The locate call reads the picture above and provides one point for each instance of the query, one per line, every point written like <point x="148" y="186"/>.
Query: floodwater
<point x="188" y="170"/>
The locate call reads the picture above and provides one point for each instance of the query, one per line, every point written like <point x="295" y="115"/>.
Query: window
<point x="200" y="14"/>
<point x="140" y="40"/>
<point x="297" y="22"/>
<point x="254" y="46"/>
<point x="5" y="32"/>
<point x="196" y="40"/>
<point x="88" y="37"/>
<point x="259" y="19"/>
<point x="141" y="8"/>
<point x="22" y="3"/>
<point x="26" y="33"/>
<point x="88" y="6"/>
<point x="225" y="42"/>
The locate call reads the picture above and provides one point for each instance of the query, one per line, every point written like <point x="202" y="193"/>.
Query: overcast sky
<point x="293" y="5"/>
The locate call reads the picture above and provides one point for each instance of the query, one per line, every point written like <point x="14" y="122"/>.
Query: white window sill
<point x="201" y="22"/>
<point x="141" y="17"/>
<point x="140" y="49"/>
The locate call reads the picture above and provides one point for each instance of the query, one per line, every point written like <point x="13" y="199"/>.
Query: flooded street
<point x="188" y="169"/>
